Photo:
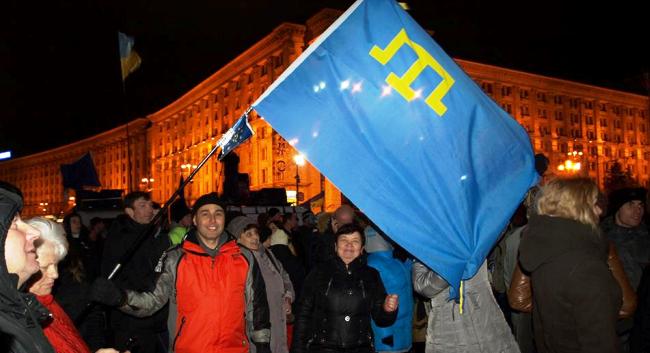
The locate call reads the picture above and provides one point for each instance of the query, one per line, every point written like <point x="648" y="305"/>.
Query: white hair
<point x="52" y="233"/>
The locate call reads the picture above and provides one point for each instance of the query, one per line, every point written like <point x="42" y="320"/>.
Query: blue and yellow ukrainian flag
<point x="380" y="109"/>
<point x="129" y="58"/>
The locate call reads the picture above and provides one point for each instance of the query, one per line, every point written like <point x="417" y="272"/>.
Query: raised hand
<point x="391" y="302"/>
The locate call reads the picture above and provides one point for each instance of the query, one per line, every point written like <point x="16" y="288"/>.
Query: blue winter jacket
<point x="396" y="276"/>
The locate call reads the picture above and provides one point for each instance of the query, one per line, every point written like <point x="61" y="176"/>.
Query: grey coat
<point x="278" y="287"/>
<point x="480" y="329"/>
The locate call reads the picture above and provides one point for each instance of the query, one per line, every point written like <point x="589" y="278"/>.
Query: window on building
<point x="487" y="87"/>
<point x="277" y="61"/>
<point x="591" y="135"/>
<point x="557" y="100"/>
<point x="541" y="97"/>
<point x="558" y="115"/>
<point x="593" y="151"/>
<point x="263" y="175"/>
<point x="630" y="126"/>
<point x="524" y="110"/>
<point x="617" y="124"/>
<point x="523" y="93"/>
<point x="589" y="119"/>
<point x="603" y="107"/>
<point x="264" y="70"/>
<point x="603" y="122"/>
<point x="506" y="91"/>
<point x="541" y="112"/>
<point x="564" y="148"/>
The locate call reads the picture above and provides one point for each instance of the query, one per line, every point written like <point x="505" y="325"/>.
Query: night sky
<point x="59" y="61"/>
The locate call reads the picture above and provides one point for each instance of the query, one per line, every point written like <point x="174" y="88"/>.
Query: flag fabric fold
<point x="80" y="173"/>
<point x="379" y="108"/>
<point x="235" y="136"/>
<point x="129" y="58"/>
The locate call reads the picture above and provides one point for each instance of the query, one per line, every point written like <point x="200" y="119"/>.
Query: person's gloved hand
<point x="106" y="292"/>
<point x="262" y="347"/>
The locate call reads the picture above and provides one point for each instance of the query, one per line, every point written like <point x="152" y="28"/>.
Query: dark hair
<point x="271" y="212"/>
<point x="265" y="233"/>
<point x="95" y="221"/>
<point x="11" y="188"/>
<point x="68" y="228"/>
<point x="251" y="226"/>
<point x="349" y="229"/>
<point x="287" y="216"/>
<point x="131" y="198"/>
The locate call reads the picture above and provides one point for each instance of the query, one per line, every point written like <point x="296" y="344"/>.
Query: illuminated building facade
<point x="39" y="175"/>
<point x="600" y="125"/>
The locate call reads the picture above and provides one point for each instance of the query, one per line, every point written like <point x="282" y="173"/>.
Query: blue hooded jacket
<point x="396" y="276"/>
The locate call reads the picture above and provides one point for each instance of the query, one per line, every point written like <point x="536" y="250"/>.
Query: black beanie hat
<point x="207" y="199"/>
<point x="620" y="197"/>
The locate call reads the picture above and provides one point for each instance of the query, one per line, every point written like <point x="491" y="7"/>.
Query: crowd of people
<point x="567" y="275"/>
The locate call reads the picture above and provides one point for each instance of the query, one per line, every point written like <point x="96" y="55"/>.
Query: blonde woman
<point x="576" y="298"/>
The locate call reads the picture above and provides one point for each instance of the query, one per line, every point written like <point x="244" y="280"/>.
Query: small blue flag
<point x="80" y="173"/>
<point x="380" y="109"/>
<point x="235" y="136"/>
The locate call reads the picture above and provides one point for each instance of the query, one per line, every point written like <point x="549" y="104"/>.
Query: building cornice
<point x="260" y="51"/>
<point x="545" y="83"/>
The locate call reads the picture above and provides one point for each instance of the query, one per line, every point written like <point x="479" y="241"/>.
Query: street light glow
<point x="299" y="159"/>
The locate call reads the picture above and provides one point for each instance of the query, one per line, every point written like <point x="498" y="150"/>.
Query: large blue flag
<point x="379" y="108"/>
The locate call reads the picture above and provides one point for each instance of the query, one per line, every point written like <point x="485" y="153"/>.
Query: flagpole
<point x="152" y="228"/>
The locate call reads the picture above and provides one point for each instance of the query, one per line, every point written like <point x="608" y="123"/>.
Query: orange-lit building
<point x="600" y="125"/>
<point x="39" y="175"/>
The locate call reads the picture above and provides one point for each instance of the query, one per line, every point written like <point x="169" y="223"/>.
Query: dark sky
<point x="59" y="63"/>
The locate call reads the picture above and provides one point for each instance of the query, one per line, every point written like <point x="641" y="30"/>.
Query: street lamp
<point x="146" y="184"/>
<point x="570" y="165"/>
<point x="299" y="159"/>
<point x="186" y="170"/>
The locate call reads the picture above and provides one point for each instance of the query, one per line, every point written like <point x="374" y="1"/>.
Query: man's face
<point x="142" y="211"/>
<point x="209" y="221"/>
<point x="630" y="214"/>
<point x="20" y="253"/>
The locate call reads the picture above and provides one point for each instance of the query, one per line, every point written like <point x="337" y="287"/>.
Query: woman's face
<point x="250" y="239"/>
<point x="349" y="247"/>
<point x="75" y="225"/>
<point x="48" y="261"/>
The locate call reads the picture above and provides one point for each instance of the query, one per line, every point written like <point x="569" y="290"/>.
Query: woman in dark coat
<point x="576" y="298"/>
<point x="338" y="300"/>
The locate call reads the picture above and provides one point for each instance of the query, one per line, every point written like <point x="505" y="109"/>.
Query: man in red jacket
<point x="214" y="287"/>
